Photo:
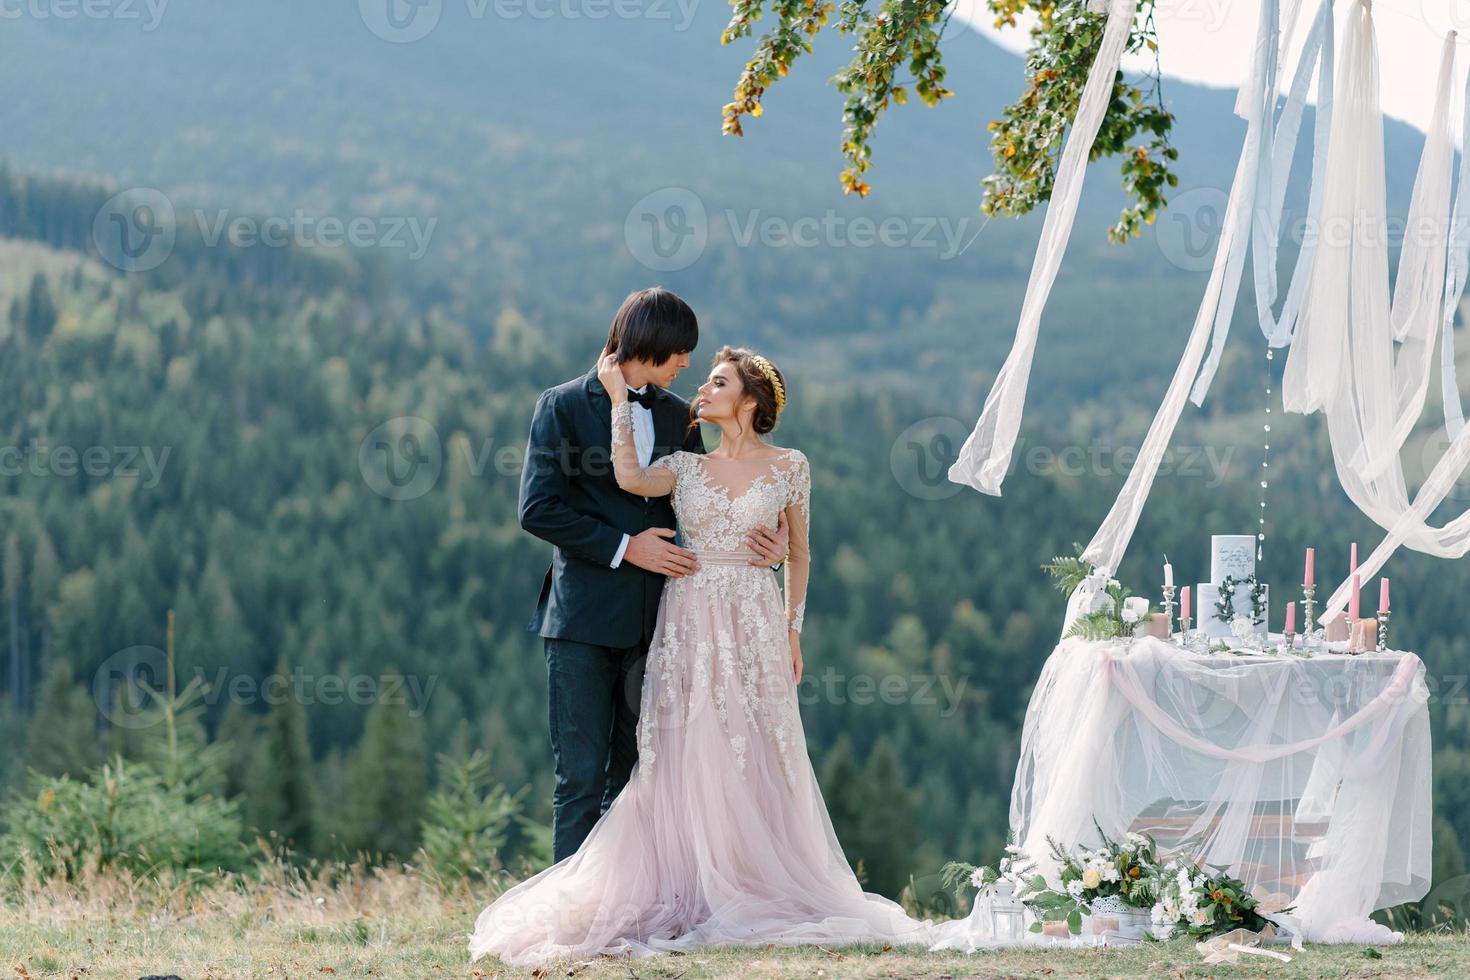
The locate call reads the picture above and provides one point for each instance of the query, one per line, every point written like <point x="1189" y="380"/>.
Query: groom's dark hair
<point x="652" y="325"/>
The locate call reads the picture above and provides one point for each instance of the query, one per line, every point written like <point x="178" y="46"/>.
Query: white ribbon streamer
<point x="1111" y="540"/>
<point x="1455" y="274"/>
<point x="986" y="454"/>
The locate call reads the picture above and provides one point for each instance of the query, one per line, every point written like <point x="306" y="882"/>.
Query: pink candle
<point x="1353" y="560"/>
<point x="1383" y="595"/>
<point x="1353" y="601"/>
<point x="1311" y="576"/>
<point x="1184" y="603"/>
<point x="1291" y="617"/>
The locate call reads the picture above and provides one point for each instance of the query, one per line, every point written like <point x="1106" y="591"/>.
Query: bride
<point x="721" y="835"/>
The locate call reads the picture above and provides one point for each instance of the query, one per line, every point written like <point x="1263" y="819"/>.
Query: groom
<point x="613" y="551"/>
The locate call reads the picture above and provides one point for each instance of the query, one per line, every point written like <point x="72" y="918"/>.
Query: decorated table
<point x="1305" y="775"/>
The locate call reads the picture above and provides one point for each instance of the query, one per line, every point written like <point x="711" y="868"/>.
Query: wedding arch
<point x="1359" y="352"/>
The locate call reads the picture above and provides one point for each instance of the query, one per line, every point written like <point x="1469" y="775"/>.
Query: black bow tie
<point x="644" y="397"/>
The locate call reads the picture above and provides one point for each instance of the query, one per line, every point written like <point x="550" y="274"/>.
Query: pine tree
<point x="842" y="789"/>
<point x="468" y="820"/>
<point x="237" y="736"/>
<point x="281" y="792"/>
<point x="885" y="837"/>
<point x="63" y="736"/>
<point x="45" y="576"/>
<point x="12" y="573"/>
<point x="41" y="313"/>
<point x="386" y="781"/>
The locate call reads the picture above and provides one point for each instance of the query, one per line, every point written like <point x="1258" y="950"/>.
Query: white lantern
<point x="1007" y="913"/>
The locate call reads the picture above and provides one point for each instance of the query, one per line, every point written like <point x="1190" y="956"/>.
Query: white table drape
<point x="1309" y="776"/>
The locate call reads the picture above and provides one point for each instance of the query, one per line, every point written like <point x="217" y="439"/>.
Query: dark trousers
<point x="594" y="695"/>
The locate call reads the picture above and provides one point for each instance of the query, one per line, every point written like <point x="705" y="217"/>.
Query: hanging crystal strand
<point x="1265" y="461"/>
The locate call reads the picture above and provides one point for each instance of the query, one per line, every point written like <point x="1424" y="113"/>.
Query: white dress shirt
<point x="643" y="443"/>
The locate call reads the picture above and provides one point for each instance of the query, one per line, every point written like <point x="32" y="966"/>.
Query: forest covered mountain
<point x="239" y="396"/>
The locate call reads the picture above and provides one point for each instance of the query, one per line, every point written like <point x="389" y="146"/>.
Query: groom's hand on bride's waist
<point x="770" y="546"/>
<point x="654" y="551"/>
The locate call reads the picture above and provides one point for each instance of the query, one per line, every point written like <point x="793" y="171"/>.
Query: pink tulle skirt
<point x="721" y="836"/>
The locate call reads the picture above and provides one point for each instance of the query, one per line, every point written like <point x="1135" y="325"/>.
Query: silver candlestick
<point x="1169" y="606"/>
<point x="1309" y="606"/>
<point x="1382" y="630"/>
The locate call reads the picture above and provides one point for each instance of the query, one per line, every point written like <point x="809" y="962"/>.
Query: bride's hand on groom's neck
<point x="610" y="373"/>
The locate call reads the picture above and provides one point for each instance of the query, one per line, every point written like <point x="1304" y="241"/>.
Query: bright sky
<point x="1209" y="41"/>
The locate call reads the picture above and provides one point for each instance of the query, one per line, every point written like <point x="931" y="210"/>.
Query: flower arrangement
<point x="1015" y="871"/>
<point x="1126" y="871"/>
<point x="1115" y="613"/>
<point x="1179" y="894"/>
<point x="1205" y="904"/>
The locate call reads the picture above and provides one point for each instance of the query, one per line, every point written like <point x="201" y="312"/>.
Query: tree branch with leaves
<point x="904" y="36"/>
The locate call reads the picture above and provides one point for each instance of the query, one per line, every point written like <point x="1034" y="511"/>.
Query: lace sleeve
<point x="651" y="481"/>
<point x="798" y="521"/>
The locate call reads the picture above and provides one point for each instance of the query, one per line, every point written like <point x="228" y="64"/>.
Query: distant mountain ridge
<point x="531" y="140"/>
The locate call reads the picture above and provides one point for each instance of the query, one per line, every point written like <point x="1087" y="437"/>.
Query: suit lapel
<point x="601" y="407"/>
<point x="669" y="418"/>
<point x="668" y="425"/>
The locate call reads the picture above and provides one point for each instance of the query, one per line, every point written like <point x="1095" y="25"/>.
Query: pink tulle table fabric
<point x="1308" y="776"/>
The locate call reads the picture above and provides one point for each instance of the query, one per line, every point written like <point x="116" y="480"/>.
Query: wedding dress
<point x="721" y="835"/>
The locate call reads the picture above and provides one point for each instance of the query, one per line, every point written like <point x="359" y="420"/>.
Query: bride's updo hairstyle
<point x="761" y="380"/>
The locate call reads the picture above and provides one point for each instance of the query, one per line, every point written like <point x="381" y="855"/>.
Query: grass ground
<point x="389" y="924"/>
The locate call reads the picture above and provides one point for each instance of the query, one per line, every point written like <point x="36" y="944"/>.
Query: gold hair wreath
<point x="766" y="368"/>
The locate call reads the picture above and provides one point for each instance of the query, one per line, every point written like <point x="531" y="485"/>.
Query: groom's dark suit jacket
<point x="570" y="497"/>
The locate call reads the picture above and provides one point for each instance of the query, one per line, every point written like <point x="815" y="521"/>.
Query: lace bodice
<point x="718" y="501"/>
